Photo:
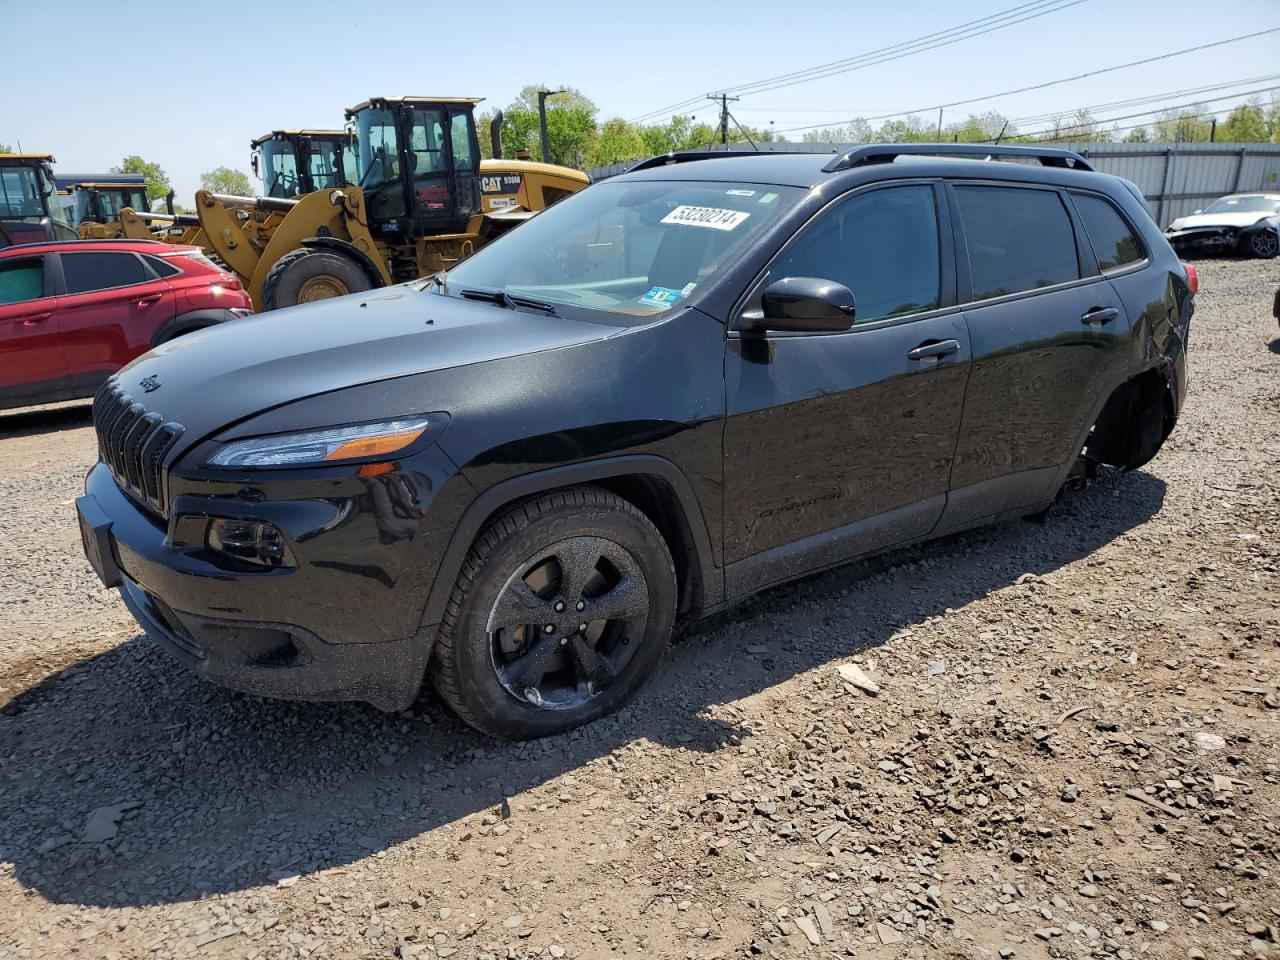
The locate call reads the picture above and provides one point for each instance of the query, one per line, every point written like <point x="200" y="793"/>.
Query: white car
<point x="1244" y="223"/>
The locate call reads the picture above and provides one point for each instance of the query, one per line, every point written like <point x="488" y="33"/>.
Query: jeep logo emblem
<point x="149" y="384"/>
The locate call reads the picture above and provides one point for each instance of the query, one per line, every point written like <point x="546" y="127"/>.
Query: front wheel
<point x="562" y="610"/>
<point x="310" y="274"/>
<point x="1263" y="244"/>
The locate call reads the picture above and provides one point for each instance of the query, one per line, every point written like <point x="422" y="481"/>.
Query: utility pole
<point x="724" y="99"/>
<point x="542" y="121"/>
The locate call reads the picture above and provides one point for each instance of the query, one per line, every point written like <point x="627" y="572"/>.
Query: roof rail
<point x="887" y="153"/>
<point x="685" y="156"/>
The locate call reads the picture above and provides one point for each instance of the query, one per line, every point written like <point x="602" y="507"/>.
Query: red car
<point x="74" y="312"/>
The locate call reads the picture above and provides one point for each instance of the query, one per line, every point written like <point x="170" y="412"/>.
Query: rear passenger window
<point x="882" y="245"/>
<point x="1018" y="239"/>
<point x="85" y="272"/>
<point x="163" y="268"/>
<point x="1113" y="242"/>
<point x="21" y="280"/>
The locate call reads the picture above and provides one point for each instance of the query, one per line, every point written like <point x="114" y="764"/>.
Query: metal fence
<point x="1175" y="178"/>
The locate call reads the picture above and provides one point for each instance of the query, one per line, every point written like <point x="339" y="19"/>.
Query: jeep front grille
<point x="133" y="442"/>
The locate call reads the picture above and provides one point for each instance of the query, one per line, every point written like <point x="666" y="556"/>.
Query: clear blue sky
<point x="92" y="83"/>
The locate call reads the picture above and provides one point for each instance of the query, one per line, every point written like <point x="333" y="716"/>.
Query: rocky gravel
<point x="1054" y="740"/>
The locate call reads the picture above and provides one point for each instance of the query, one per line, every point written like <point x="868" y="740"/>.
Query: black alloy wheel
<point x="562" y="610"/>
<point x="563" y="627"/>
<point x="1264" y="244"/>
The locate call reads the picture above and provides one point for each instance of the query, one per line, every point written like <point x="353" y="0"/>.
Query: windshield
<point x="633" y="248"/>
<point x="279" y="169"/>
<point x="379" y="159"/>
<point x="110" y="201"/>
<point x="20" y="193"/>
<point x="1257" y="204"/>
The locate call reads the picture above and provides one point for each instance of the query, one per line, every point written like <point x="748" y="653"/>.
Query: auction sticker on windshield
<point x="713" y="217"/>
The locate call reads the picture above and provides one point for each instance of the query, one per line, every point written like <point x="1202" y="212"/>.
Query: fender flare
<point x="351" y="250"/>
<point x="500" y="495"/>
<point x="192" y="320"/>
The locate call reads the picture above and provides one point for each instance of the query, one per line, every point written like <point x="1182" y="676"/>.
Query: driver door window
<point x="882" y="245"/>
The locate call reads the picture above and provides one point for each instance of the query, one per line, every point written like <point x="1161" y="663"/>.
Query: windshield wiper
<point x="504" y="299"/>
<point x="493" y="296"/>
<point x="532" y="304"/>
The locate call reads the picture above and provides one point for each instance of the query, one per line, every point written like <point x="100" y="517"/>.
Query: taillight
<point x="228" y="282"/>
<point x="1193" y="279"/>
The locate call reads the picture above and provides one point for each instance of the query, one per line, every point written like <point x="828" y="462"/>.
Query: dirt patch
<point x="1074" y="751"/>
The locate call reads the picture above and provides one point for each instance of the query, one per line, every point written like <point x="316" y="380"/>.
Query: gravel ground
<point x="1074" y="751"/>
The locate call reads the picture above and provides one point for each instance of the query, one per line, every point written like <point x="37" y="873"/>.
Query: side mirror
<point x="806" y="305"/>
<point x="1194" y="212"/>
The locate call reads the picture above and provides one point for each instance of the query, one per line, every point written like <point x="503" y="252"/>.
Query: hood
<point x="1201" y="220"/>
<point x="216" y="377"/>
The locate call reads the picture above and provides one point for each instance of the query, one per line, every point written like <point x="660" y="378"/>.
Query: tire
<point x="1262" y="244"/>
<point x="516" y="680"/>
<point x="309" y="274"/>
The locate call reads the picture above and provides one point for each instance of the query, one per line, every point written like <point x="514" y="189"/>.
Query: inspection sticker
<point x="712" y="217"/>
<point x="661" y="297"/>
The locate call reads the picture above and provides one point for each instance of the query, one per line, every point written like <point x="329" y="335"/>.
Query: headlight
<point x="321" y="446"/>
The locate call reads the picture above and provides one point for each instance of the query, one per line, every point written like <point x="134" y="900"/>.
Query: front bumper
<point x="343" y="624"/>
<point x="281" y="660"/>
<point x="1207" y="240"/>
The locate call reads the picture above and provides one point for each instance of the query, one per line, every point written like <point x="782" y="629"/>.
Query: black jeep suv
<point x="675" y="388"/>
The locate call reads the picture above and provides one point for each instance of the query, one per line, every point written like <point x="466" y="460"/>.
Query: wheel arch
<point x="1135" y="419"/>
<point x="188" y="322"/>
<point x="656" y="486"/>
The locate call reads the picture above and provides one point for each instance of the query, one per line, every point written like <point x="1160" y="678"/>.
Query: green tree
<point x="5" y="148"/>
<point x="616" y="141"/>
<point x="227" y="180"/>
<point x="1138" y="135"/>
<point x="1187" y="126"/>
<point x="1245" y="124"/>
<point x="156" y="179"/>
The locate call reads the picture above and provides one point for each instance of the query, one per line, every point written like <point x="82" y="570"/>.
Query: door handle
<point x="31" y="319"/>
<point x="1100" y="315"/>
<point x="935" y="350"/>
<point x="149" y="299"/>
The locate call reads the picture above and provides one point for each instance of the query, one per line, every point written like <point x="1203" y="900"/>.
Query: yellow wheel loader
<point x="30" y="208"/>
<point x="423" y="200"/>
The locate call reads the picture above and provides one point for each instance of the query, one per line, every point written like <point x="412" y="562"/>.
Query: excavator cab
<point x="30" y="209"/>
<point x="291" y="163"/>
<point x="419" y="162"/>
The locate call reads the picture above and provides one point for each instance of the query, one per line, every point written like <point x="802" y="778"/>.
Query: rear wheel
<point x="1263" y="244"/>
<point x="306" y="275"/>
<point x="562" y="610"/>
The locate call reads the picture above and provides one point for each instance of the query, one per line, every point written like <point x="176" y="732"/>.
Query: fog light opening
<point x="249" y="541"/>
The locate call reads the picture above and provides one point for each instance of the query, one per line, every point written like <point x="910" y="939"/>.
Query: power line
<point x="1049" y="83"/>
<point x="894" y="51"/>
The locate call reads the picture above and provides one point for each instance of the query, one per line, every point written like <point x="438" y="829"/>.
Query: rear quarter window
<point x="1018" y="239"/>
<point x="1114" y="244"/>
<point x="163" y="268"/>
